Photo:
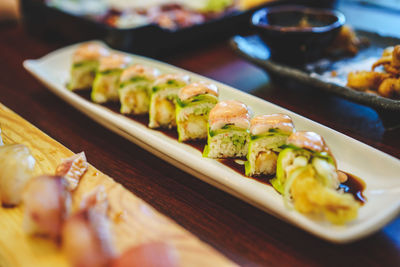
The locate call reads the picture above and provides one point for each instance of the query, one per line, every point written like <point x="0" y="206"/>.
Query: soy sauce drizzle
<point x="353" y="185"/>
<point x="239" y="168"/>
<point x="197" y="144"/>
<point x="169" y="132"/>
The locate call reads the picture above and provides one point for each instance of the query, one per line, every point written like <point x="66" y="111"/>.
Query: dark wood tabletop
<point x="243" y="233"/>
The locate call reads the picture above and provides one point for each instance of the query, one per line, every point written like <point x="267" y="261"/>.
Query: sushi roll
<point x="106" y="83"/>
<point x="163" y="99"/>
<point x="135" y="88"/>
<point x="17" y="166"/>
<point x="47" y="204"/>
<point x="87" y="234"/>
<point x="307" y="176"/>
<point x="228" y="130"/>
<point x="194" y="103"/>
<point x="267" y="134"/>
<point x="85" y="62"/>
<point x="302" y="149"/>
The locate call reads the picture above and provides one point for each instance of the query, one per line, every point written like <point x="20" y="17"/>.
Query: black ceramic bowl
<point x="296" y="34"/>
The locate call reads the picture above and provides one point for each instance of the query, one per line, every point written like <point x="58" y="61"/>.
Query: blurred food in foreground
<point x="154" y="254"/>
<point x="17" y="165"/>
<point x="386" y="83"/>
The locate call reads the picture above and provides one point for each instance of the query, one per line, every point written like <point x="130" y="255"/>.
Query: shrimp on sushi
<point x="135" y="88"/>
<point x="228" y="130"/>
<point x="268" y="133"/>
<point x="163" y="100"/>
<point x="106" y="82"/>
<point x="194" y="103"/>
<point x="85" y="62"/>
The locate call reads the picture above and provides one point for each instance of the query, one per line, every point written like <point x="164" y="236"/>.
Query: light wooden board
<point x="134" y="221"/>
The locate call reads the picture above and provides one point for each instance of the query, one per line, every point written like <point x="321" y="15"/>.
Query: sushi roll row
<point x="171" y="100"/>
<point x="303" y="168"/>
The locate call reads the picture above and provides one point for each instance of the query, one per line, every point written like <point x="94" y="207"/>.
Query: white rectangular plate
<point x="379" y="171"/>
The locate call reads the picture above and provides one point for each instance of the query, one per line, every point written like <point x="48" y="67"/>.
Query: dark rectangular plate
<point x="149" y="40"/>
<point x="318" y="74"/>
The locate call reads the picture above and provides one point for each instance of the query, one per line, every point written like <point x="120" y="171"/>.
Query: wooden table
<point x="243" y="233"/>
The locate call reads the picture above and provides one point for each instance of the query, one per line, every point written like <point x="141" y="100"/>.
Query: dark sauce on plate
<point x="353" y="185"/>
<point x="239" y="168"/>
<point x="172" y="133"/>
<point x="169" y="132"/>
<point x="197" y="144"/>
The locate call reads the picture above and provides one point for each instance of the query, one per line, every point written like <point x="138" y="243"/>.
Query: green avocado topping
<point x="226" y="128"/>
<point x="271" y="132"/>
<point x="197" y="99"/>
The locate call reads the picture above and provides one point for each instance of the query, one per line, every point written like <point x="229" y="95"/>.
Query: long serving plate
<point x="379" y="170"/>
<point x="328" y="74"/>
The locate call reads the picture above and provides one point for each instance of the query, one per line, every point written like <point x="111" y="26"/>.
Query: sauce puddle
<point x="239" y="168"/>
<point x="353" y="185"/>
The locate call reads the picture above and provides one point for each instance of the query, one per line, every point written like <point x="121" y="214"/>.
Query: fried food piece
<point x="390" y="88"/>
<point x="390" y="60"/>
<point x="363" y="80"/>
<point x="346" y="41"/>
<point x="310" y="196"/>
<point x="389" y="68"/>
<point x="386" y="84"/>
<point x="382" y="61"/>
<point x="307" y="176"/>
<point x="396" y="56"/>
<point x="387" y="52"/>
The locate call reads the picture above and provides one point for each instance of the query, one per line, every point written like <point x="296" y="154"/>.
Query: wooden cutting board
<point x="134" y="221"/>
